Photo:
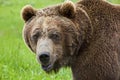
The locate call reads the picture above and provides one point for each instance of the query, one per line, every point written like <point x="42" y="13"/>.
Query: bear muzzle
<point x="44" y="58"/>
<point x="44" y="54"/>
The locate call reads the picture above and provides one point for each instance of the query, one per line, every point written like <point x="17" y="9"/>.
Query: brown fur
<point x="84" y="36"/>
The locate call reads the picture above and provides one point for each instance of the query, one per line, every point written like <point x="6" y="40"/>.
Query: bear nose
<point x="44" y="57"/>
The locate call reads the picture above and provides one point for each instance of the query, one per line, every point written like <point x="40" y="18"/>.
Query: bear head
<point x="52" y="34"/>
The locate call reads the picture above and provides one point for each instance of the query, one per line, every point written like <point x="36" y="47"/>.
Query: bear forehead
<point x="52" y="10"/>
<point x="46" y="23"/>
<point x="49" y="21"/>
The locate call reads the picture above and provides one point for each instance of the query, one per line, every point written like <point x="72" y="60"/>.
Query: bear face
<point x="51" y="36"/>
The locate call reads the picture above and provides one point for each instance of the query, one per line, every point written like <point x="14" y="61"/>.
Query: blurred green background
<point x="16" y="61"/>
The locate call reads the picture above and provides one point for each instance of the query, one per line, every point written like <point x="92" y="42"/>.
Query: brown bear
<point x="84" y="36"/>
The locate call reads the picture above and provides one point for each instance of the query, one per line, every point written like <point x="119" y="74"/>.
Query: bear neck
<point x="84" y="37"/>
<point x="83" y="29"/>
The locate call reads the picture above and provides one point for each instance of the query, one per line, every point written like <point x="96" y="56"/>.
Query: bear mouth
<point x="51" y="67"/>
<point x="47" y="68"/>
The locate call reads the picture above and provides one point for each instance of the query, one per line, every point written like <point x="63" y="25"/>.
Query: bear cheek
<point x="58" y="51"/>
<point x="27" y="40"/>
<point x="31" y="45"/>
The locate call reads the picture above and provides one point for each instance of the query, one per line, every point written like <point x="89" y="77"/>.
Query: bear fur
<point x="84" y="36"/>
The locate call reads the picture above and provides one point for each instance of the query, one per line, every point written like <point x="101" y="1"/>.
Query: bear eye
<point x="36" y="36"/>
<point x="55" y="36"/>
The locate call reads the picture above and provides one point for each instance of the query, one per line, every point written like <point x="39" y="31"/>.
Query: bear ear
<point x="68" y="9"/>
<point x="28" y="12"/>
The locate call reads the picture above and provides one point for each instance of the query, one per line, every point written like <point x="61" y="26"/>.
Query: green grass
<point x="16" y="61"/>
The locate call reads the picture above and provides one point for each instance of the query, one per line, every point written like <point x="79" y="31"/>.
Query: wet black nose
<point x="44" y="57"/>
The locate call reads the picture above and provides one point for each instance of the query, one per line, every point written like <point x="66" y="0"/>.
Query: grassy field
<point x="16" y="61"/>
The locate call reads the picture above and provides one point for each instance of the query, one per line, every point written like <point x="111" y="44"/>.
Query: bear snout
<point x="44" y="58"/>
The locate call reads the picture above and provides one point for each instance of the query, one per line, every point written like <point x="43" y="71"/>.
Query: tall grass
<point x="16" y="61"/>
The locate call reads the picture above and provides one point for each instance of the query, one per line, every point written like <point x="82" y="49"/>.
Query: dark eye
<point x="35" y="36"/>
<point x="55" y="36"/>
